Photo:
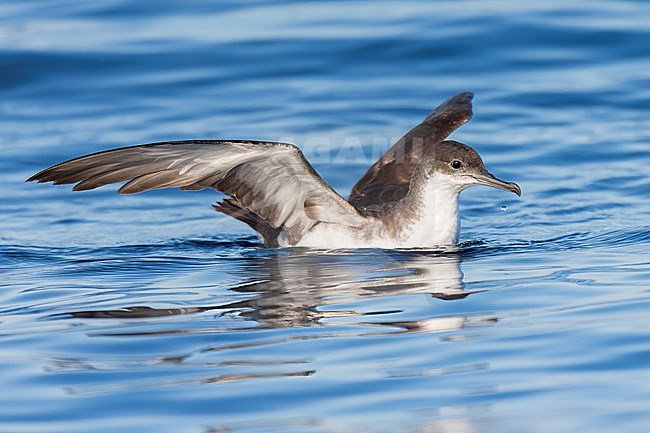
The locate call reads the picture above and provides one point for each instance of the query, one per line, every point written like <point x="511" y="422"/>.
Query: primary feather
<point x="270" y="180"/>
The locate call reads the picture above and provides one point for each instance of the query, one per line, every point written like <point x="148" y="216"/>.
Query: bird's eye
<point x="456" y="164"/>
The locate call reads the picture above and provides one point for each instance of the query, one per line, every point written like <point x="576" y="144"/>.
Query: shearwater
<point x="407" y="199"/>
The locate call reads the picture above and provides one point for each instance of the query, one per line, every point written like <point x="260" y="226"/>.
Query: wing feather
<point x="389" y="178"/>
<point x="272" y="180"/>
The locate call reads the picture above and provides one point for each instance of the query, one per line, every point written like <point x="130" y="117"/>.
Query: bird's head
<point x="463" y="167"/>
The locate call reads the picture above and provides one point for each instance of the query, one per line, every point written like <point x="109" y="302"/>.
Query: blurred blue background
<point x="152" y="312"/>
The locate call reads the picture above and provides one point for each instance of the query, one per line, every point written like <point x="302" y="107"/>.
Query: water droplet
<point x="504" y="208"/>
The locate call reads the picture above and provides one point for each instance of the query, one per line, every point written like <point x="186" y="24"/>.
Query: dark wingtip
<point x="465" y="95"/>
<point x="42" y="176"/>
<point x="456" y="110"/>
<point x="34" y="178"/>
<point x="460" y="99"/>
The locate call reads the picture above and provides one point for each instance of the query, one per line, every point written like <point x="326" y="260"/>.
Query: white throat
<point x="437" y="223"/>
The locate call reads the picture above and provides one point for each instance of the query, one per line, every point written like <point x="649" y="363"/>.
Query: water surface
<point x="153" y="313"/>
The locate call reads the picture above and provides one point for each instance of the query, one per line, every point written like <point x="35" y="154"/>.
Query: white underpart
<point x="333" y="236"/>
<point x="438" y="224"/>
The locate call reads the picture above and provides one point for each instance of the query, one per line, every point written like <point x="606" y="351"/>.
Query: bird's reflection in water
<point x="302" y="288"/>
<point x="295" y="304"/>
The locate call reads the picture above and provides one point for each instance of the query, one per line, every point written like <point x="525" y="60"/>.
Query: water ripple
<point x="152" y="313"/>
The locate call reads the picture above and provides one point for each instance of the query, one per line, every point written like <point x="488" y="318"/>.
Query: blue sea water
<point x="153" y="313"/>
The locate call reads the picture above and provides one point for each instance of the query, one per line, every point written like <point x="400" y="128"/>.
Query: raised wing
<point x="272" y="180"/>
<point x="389" y="178"/>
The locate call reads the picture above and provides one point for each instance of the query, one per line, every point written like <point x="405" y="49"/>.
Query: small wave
<point x="577" y="240"/>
